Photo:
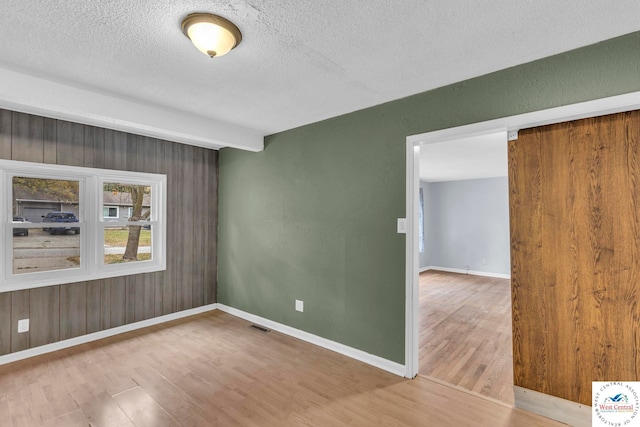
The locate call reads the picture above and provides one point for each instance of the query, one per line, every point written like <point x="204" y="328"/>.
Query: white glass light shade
<point x="211" y="34"/>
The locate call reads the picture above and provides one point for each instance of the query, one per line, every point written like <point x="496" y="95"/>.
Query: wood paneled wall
<point x="575" y="251"/>
<point x="66" y="311"/>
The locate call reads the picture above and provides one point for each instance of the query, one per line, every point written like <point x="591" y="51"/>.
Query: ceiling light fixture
<point x="211" y="34"/>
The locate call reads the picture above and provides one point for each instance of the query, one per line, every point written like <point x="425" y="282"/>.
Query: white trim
<point x="556" y="408"/>
<point x="412" y="260"/>
<point x="598" y="107"/>
<point x="463" y="271"/>
<point x="423" y="269"/>
<point x="45" y="97"/>
<point x="83" y="339"/>
<point x="370" y="359"/>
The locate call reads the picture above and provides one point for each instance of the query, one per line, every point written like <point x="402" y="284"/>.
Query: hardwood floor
<point x="465" y="333"/>
<point x="213" y="369"/>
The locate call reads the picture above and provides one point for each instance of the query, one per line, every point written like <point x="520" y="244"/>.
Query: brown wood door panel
<point x="575" y="238"/>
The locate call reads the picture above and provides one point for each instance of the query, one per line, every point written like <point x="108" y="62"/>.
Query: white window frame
<point x="91" y="223"/>
<point x="110" y="222"/>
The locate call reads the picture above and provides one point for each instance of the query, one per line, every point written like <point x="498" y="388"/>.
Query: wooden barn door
<point x="575" y="250"/>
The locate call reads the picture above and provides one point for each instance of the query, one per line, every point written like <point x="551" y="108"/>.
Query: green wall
<point x="313" y="216"/>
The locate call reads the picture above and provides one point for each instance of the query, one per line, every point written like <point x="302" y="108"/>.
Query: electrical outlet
<point x="299" y="305"/>
<point x="23" y="325"/>
<point x="484" y="261"/>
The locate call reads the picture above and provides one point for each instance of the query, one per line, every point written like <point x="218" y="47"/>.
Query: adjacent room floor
<point x="465" y="333"/>
<point x="214" y="369"/>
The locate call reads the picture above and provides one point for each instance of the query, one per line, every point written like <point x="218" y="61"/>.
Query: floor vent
<point x="261" y="328"/>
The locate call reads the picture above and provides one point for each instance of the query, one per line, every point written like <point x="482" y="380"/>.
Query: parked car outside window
<point x="20" y="231"/>
<point x="61" y="217"/>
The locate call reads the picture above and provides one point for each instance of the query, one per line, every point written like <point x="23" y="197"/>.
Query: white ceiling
<point x="127" y="65"/>
<point x="468" y="158"/>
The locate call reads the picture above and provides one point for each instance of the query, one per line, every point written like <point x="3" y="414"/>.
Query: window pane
<point x="34" y="199"/>
<point x="130" y="198"/>
<point x="54" y="203"/>
<point x="127" y="244"/>
<point x="37" y="250"/>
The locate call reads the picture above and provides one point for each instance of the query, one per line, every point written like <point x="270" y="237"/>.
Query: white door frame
<point x="511" y="125"/>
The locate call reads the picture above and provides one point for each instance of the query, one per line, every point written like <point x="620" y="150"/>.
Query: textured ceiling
<point x="299" y="62"/>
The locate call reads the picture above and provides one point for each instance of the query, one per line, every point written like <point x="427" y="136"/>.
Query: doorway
<point x="510" y="125"/>
<point x="465" y="298"/>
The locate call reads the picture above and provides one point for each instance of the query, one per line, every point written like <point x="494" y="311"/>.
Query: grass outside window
<point x="118" y="238"/>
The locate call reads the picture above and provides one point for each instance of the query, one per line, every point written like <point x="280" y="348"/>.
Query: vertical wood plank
<point x="157" y="294"/>
<point x="94" y="306"/>
<point x="19" y="310"/>
<point x="146" y="153"/>
<point x="131" y="149"/>
<point x="144" y="294"/>
<point x="5" y="323"/>
<point x="5" y="134"/>
<point x="50" y="140"/>
<point x="205" y="224"/>
<point x="198" y="226"/>
<point x="70" y="143"/>
<point x="27" y="138"/>
<point x="115" y="150"/>
<point x="117" y="298"/>
<point x="211" y="258"/>
<point x="131" y="292"/>
<point x="105" y="304"/>
<point x="185" y="235"/>
<point x="44" y="308"/>
<point x="73" y="310"/>
<point x="94" y="147"/>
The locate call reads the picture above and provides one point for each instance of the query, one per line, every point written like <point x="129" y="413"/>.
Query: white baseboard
<point x="565" y="411"/>
<point x="423" y="269"/>
<point x="379" y="362"/>
<point x="48" y="348"/>
<point x="463" y="271"/>
<point x="370" y="359"/>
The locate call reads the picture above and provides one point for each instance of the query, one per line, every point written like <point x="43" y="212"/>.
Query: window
<point x="110" y="212"/>
<point x="62" y="224"/>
